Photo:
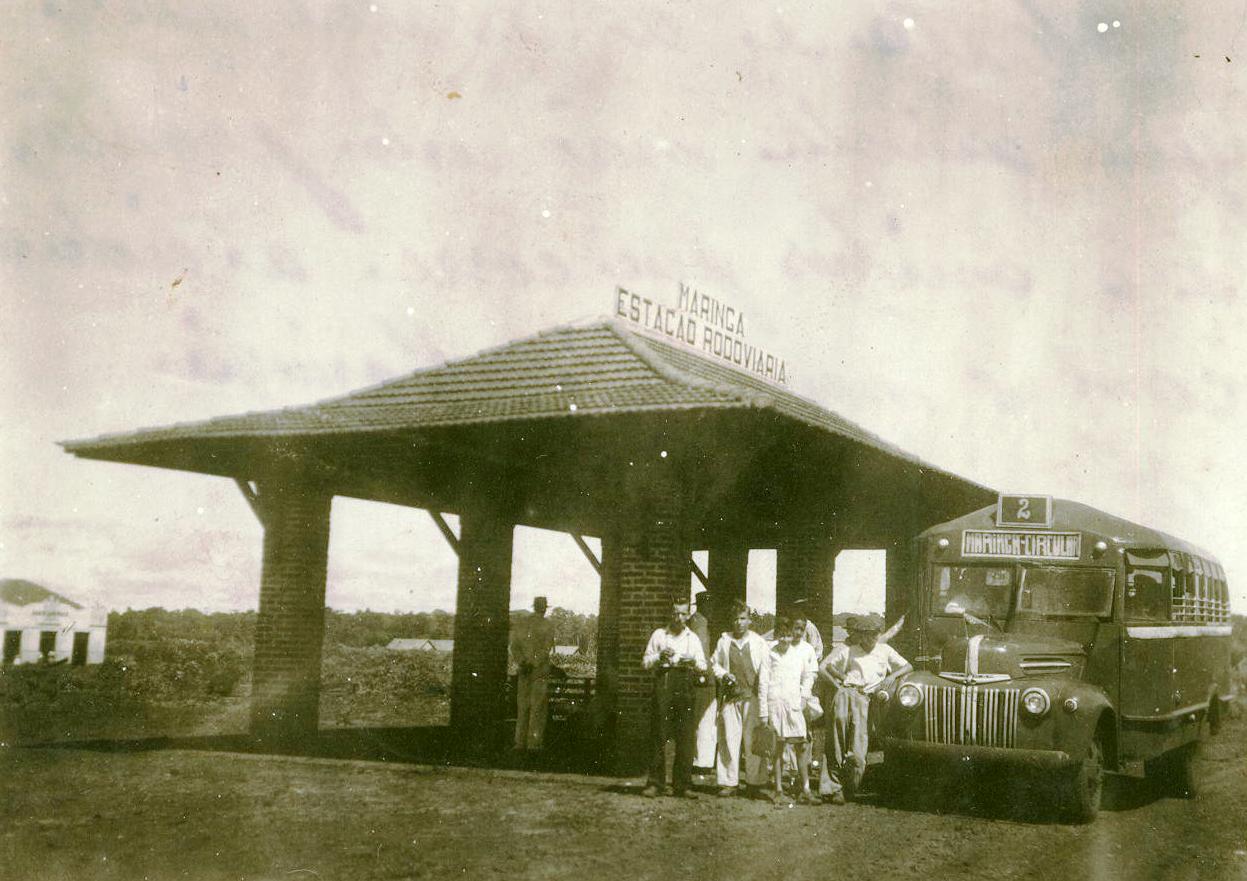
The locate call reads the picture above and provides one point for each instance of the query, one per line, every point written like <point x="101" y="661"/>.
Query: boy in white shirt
<point x="861" y="668"/>
<point x="739" y="662"/>
<point x="783" y="696"/>
<point x="675" y="655"/>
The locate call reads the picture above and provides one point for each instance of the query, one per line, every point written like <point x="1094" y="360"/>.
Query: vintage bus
<point x="1051" y="636"/>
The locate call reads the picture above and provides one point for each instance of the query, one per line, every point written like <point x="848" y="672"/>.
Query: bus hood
<point x="995" y="657"/>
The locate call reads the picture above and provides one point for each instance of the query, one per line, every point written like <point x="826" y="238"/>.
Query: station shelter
<point x="653" y="447"/>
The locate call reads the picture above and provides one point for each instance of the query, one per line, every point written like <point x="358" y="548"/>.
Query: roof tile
<point x="580" y="371"/>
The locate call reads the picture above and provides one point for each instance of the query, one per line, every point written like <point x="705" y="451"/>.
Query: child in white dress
<point x="783" y="694"/>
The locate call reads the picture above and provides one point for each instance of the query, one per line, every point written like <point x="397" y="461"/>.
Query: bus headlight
<point x="1036" y="701"/>
<point x="909" y="695"/>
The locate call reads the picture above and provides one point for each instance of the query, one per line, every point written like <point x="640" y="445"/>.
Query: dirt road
<point x="200" y="815"/>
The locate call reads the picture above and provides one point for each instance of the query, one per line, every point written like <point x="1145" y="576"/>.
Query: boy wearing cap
<point x="860" y="669"/>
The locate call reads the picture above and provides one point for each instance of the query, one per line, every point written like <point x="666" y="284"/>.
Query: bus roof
<point x="1069" y="515"/>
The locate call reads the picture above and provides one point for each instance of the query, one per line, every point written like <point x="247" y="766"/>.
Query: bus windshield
<point x="1061" y="590"/>
<point x="982" y="591"/>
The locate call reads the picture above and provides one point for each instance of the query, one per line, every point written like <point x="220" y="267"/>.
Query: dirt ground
<point x="70" y="813"/>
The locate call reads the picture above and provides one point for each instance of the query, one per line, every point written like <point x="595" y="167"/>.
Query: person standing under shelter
<point x="811" y="633"/>
<point x="861" y="669"/>
<point x="532" y="638"/>
<point x="739" y="663"/>
<point x="783" y="693"/>
<point x="675" y="656"/>
<point x="705" y="701"/>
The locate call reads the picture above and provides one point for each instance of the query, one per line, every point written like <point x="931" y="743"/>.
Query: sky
<point x="1007" y="237"/>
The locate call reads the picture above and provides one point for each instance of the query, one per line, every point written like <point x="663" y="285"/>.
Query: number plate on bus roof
<point x="1029" y="511"/>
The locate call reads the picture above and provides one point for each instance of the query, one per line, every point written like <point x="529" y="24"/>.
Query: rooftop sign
<point x="711" y="326"/>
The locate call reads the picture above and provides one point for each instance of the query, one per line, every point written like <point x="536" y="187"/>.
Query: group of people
<point x="751" y="699"/>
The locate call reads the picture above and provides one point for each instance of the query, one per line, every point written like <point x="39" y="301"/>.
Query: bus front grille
<point x="971" y="714"/>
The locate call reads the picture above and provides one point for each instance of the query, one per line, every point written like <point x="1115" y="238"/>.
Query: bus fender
<point x="1093" y="714"/>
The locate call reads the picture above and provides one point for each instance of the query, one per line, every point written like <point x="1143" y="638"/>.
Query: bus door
<point x="1147" y="659"/>
<point x="1197" y="654"/>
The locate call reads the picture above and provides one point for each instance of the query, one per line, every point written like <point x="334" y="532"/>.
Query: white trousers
<point x="705" y="711"/>
<point x="737" y="720"/>
<point x="531" y="701"/>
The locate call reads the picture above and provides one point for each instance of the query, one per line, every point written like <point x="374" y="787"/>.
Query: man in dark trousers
<point x="675" y="656"/>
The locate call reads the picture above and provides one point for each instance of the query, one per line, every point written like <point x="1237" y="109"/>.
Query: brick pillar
<point x="645" y="564"/>
<point x="900" y="568"/>
<point x="290" y="626"/>
<point x="482" y="626"/>
<point x="805" y="564"/>
<point x="606" y="689"/>
<point x="727" y="570"/>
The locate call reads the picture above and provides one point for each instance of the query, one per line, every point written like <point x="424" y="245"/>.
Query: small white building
<point x="39" y="623"/>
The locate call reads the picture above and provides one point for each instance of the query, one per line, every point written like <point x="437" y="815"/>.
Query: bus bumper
<point x="922" y="751"/>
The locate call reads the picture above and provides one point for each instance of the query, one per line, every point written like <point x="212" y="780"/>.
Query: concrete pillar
<point x="645" y="564"/>
<point x="290" y="626"/>
<point x="482" y="626"/>
<point x="727" y="570"/>
<point x="805" y="564"/>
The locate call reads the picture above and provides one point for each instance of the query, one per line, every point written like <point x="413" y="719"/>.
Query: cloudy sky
<point x="1006" y="236"/>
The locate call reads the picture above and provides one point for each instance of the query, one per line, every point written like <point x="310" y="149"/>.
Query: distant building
<point x="421" y="645"/>
<point x="41" y="624"/>
<point x="405" y="645"/>
<point x="448" y="646"/>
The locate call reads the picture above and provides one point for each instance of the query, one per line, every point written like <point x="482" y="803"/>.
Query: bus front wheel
<point x="1084" y="787"/>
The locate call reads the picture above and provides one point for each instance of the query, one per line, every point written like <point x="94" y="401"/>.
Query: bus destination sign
<point x="1042" y="545"/>
<point x="1031" y="511"/>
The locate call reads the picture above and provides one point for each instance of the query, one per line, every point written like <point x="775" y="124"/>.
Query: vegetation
<point x="188" y="672"/>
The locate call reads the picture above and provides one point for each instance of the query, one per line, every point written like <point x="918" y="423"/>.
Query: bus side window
<point x="1183" y="588"/>
<point x="1147" y="595"/>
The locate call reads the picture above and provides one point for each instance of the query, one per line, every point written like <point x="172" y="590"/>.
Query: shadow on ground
<point x="426" y="745"/>
<point x="989" y="795"/>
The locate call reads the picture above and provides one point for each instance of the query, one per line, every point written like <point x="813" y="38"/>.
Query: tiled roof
<point x="19" y="592"/>
<point x="569" y="372"/>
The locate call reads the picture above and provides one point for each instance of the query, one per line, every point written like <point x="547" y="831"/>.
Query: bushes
<point x="373" y="686"/>
<point x="179" y="669"/>
<point x="56" y="701"/>
<point x="170" y="672"/>
<point x="174" y="681"/>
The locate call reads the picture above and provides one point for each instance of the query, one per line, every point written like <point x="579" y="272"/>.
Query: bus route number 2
<point x="1017" y="510"/>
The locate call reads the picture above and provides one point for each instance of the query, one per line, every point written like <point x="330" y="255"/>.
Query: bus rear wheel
<point x="1084" y="786"/>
